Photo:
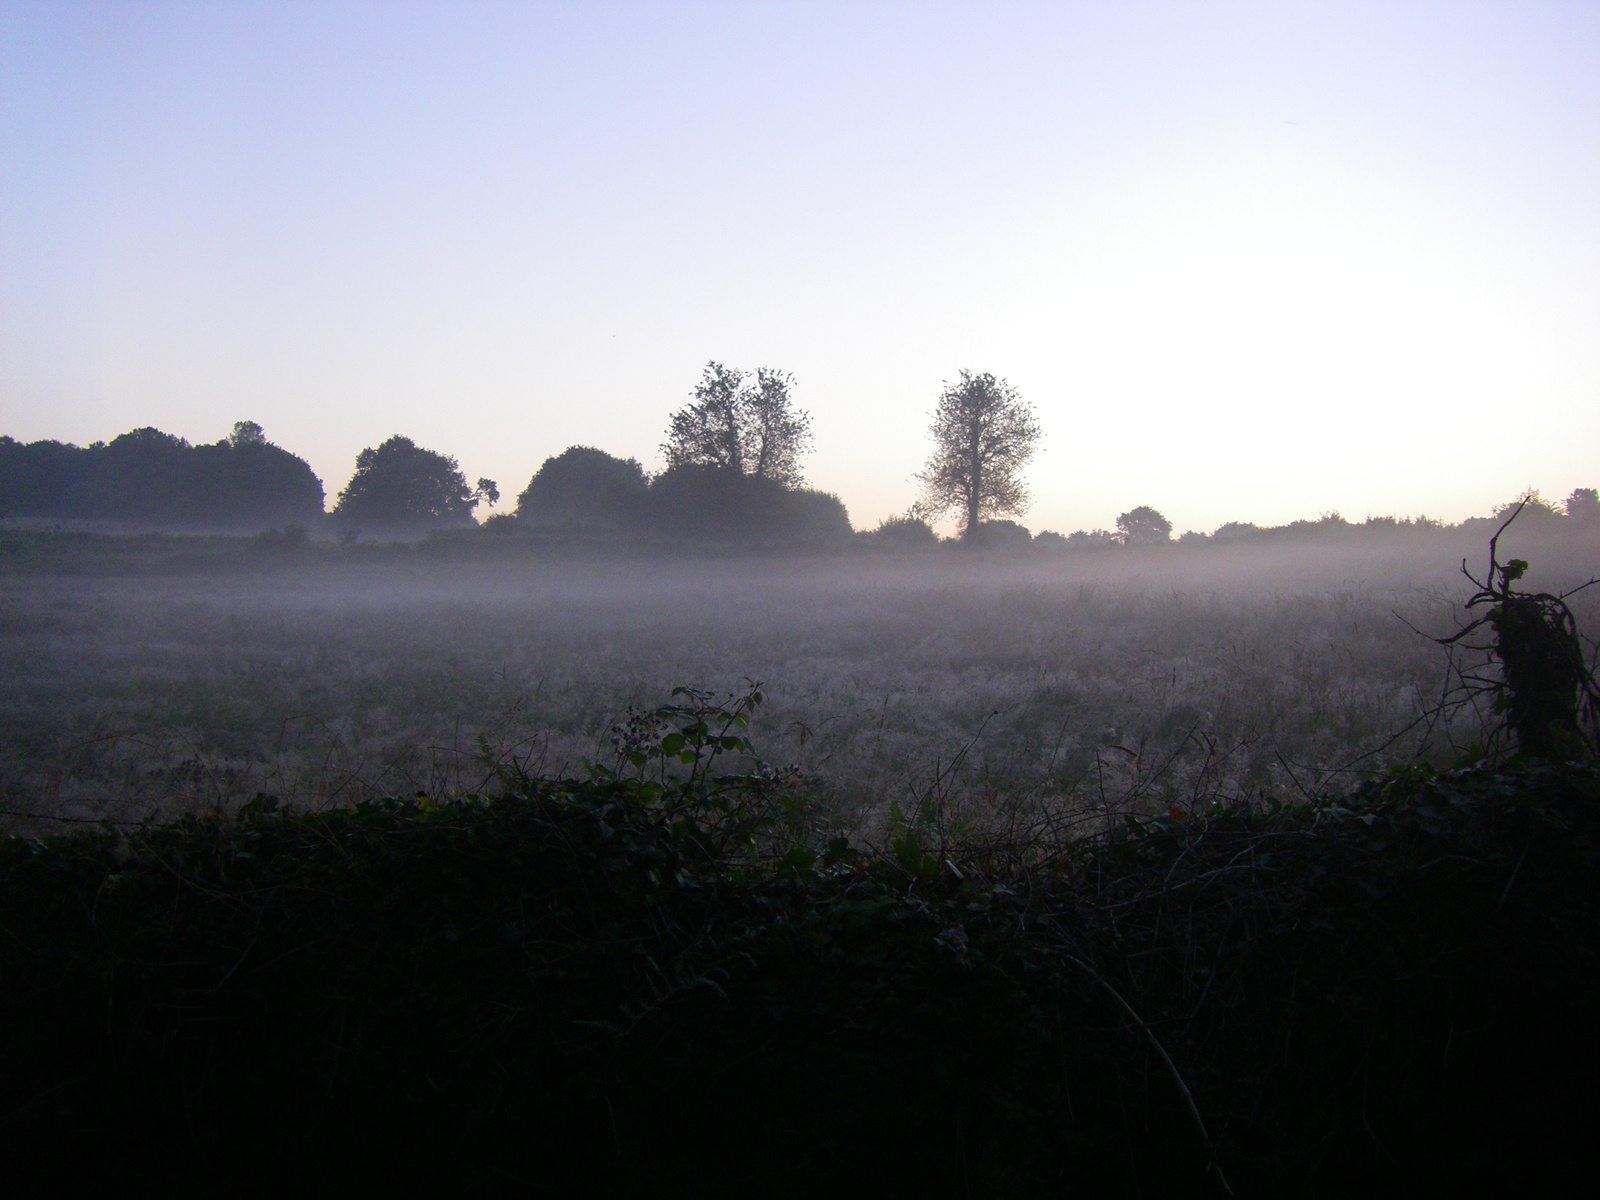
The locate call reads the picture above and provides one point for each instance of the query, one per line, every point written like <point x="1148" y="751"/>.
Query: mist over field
<point x="1144" y="679"/>
<point x="680" y="600"/>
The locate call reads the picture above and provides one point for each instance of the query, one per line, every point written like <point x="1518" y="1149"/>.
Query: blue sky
<point x="1249" y="262"/>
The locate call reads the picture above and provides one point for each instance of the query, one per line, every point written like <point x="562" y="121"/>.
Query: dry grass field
<point x="1150" y="678"/>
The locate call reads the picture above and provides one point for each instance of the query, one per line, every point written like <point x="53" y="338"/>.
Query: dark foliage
<point x="908" y="532"/>
<point x="402" y="486"/>
<point x="741" y="423"/>
<point x="662" y="985"/>
<point x="584" y="485"/>
<point x="1000" y="535"/>
<point x="1144" y="526"/>
<point x="146" y="476"/>
<point x="1543" y="682"/>
<point x="708" y="503"/>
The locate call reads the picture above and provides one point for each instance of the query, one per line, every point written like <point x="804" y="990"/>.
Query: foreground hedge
<point x="572" y="989"/>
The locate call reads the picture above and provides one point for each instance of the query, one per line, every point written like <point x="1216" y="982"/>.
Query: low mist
<point x="1149" y="676"/>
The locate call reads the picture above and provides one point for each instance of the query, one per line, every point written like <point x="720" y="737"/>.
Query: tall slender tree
<point x="983" y="435"/>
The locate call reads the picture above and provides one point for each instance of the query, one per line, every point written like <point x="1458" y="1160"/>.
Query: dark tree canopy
<point x="401" y="485"/>
<point x="585" y="485"/>
<point x="983" y="435"/>
<point x="1144" y="526"/>
<point x="711" y="504"/>
<point x="1584" y="504"/>
<point x="241" y="482"/>
<point x="742" y="424"/>
<point x="1002" y="535"/>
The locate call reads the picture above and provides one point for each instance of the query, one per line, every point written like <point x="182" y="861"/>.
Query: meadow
<point x="1149" y="679"/>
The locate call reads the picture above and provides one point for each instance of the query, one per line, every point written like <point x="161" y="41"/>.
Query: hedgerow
<point x="673" y="982"/>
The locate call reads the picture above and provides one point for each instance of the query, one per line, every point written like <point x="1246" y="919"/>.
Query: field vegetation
<point x="416" y="868"/>
<point x="205" y="671"/>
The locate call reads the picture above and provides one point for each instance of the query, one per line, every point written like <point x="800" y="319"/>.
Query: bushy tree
<point x="583" y="484"/>
<point x="402" y="485"/>
<point x="145" y="475"/>
<point x="1002" y="535"/>
<point x="1234" y="531"/>
<point x="708" y="503"/>
<point x="1584" y="504"/>
<point x="742" y="424"/>
<point x="1144" y="526"/>
<point x="906" y="532"/>
<point x="1536" y="510"/>
<point x="983" y="435"/>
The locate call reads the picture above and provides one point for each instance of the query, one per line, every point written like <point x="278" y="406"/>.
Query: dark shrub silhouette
<point x="904" y="533"/>
<point x="707" y="503"/>
<point x="583" y="485"/>
<point x="1000" y="535"/>
<point x="1144" y="526"/>
<point x="402" y="486"/>
<point x="241" y="482"/>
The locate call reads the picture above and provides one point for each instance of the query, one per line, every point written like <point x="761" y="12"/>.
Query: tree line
<point x="242" y="481"/>
<point x="734" y="472"/>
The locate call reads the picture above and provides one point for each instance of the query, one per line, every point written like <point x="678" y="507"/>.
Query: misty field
<point x="1149" y="680"/>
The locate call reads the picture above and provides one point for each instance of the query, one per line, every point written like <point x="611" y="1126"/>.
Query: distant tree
<point x="583" y="484"/>
<point x="1535" y="508"/>
<point x="1144" y="526"/>
<point x="1234" y="531"/>
<point x="1584" y="504"/>
<point x="1002" y="535"/>
<point x="983" y="435"/>
<point x="742" y="424"/>
<point x="247" y="433"/>
<point x="709" y="431"/>
<point x="712" y="504"/>
<point x="907" y="532"/>
<point x="776" y="433"/>
<point x="402" y="485"/>
<point x="1092" y="539"/>
<point x="148" y="476"/>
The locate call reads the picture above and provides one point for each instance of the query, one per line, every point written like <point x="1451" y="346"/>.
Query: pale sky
<point x="1249" y="261"/>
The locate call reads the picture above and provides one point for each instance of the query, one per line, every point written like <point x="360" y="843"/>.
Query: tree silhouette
<point x="742" y="424"/>
<point x="776" y="434"/>
<point x="983" y="435"/>
<point x="1144" y="526"/>
<point x="400" y="484"/>
<point x="583" y="484"/>
<point x="145" y="475"/>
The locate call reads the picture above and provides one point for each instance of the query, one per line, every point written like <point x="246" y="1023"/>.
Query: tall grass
<point x="1155" y="679"/>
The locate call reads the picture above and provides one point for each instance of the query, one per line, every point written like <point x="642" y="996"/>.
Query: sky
<point x="1249" y="262"/>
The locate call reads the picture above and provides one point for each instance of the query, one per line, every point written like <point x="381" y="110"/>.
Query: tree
<point x="583" y="484"/>
<point x="1144" y="526"/>
<point x="145" y="475"/>
<point x="776" y="434"/>
<point x="741" y="424"/>
<point x="1584" y="504"/>
<point x="401" y="484"/>
<point x="247" y="433"/>
<point x="983" y="435"/>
